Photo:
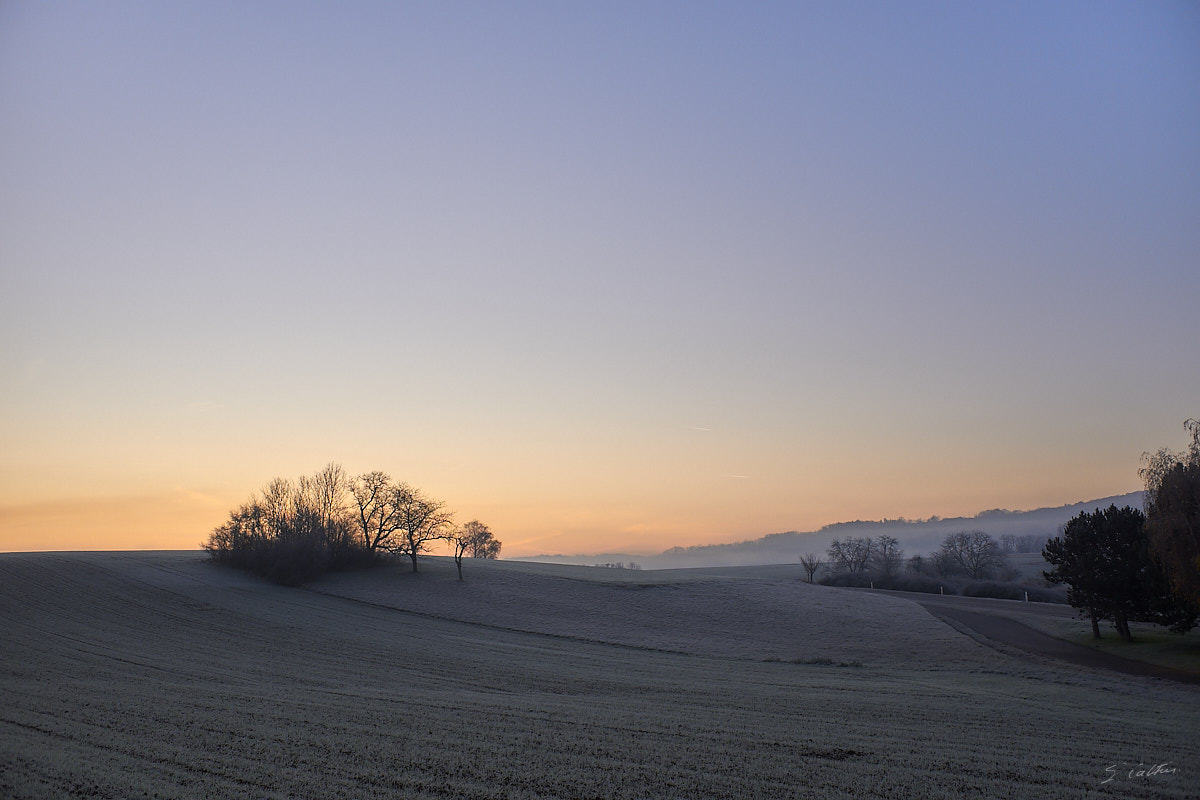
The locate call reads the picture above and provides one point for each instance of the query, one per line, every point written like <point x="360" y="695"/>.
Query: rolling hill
<point x="915" y="536"/>
<point x="162" y="675"/>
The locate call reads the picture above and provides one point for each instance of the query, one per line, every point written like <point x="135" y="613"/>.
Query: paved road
<point x="980" y="615"/>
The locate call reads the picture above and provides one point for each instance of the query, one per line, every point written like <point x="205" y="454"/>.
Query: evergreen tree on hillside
<point x="1104" y="557"/>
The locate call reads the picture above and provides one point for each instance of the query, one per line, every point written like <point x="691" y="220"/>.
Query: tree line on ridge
<point x="1118" y="564"/>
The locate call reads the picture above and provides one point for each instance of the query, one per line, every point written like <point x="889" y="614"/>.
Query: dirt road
<point x="997" y="621"/>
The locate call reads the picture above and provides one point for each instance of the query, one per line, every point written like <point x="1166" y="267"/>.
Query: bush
<point x="996" y="589"/>
<point x="297" y="559"/>
<point x="900" y="583"/>
<point x="926" y="585"/>
<point x="1013" y="591"/>
<point x="846" y="579"/>
<point x="288" y="536"/>
<point x="289" y="557"/>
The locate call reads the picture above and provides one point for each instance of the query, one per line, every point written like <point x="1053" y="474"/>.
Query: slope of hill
<point x="161" y="675"/>
<point x="915" y="536"/>
<point x="739" y="612"/>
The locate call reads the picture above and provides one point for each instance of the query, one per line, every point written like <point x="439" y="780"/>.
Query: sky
<point x="609" y="277"/>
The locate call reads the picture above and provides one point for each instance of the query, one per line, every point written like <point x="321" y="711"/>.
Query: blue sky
<point x="571" y="267"/>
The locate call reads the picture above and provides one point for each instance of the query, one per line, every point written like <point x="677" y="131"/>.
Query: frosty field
<point x="132" y="675"/>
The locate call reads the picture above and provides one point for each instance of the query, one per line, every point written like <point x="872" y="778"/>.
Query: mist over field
<point x="161" y="674"/>
<point x="915" y="536"/>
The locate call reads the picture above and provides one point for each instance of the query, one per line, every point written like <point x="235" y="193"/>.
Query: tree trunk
<point x="413" y="555"/>
<point x="1095" y="623"/>
<point x="458" y="563"/>
<point x="1123" y="628"/>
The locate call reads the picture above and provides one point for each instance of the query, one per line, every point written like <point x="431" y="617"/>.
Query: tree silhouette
<point x="888" y="556"/>
<point x="975" y="553"/>
<point x="1104" y="557"/>
<point x="483" y="543"/>
<point x="811" y="563"/>
<point x="419" y="522"/>
<point x="1172" y="504"/>
<point x="851" y="554"/>
<point x="376" y="511"/>
<point x="294" y="531"/>
<point x="475" y="538"/>
<point x="290" y="532"/>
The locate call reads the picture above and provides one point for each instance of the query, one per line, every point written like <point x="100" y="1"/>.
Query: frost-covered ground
<point x="753" y="613"/>
<point x="158" y="675"/>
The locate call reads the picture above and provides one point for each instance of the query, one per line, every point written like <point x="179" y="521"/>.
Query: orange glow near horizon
<point x="625" y="283"/>
<point x="181" y="520"/>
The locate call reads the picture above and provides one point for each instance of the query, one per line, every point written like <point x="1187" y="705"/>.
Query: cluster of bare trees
<point x="851" y="554"/>
<point x="293" y="531"/>
<point x="396" y="517"/>
<point x="973" y="554"/>
<point x="1026" y="543"/>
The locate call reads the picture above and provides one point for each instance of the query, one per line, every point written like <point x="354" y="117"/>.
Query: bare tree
<point x="321" y="506"/>
<point x="839" y="559"/>
<point x="944" y="562"/>
<point x="975" y="553"/>
<point x="325" y="493"/>
<point x="851" y="555"/>
<point x="419" y="521"/>
<point x="888" y="556"/>
<point x="276" y="505"/>
<point x="475" y="538"/>
<point x="811" y="564"/>
<point x="1032" y="542"/>
<point x="460" y="540"/>
<point x="483" y="543"/>
<point x="376" y="513"/>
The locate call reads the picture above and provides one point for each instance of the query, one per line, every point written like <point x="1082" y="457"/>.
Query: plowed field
<point x="131" y="675"/>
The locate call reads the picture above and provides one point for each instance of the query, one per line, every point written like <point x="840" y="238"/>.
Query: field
<point x="132" y="675"/>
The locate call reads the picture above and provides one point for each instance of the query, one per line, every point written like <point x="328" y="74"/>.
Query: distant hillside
<point x="915" y="536"/>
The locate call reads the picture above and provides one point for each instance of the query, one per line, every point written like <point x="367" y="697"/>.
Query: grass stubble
<point x="131" y="675"/>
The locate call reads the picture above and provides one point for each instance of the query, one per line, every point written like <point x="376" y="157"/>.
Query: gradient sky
<point x="606" y="276"/>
